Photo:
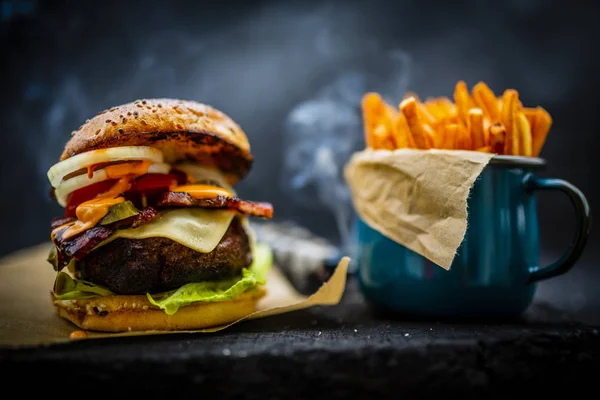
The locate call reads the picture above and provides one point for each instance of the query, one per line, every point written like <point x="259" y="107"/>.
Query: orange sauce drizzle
<point x="90" y="212"/>
<point x="202" y="191"/>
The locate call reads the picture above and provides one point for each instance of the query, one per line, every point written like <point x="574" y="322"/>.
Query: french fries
<point x="463" y="101"/>
<point x="540" y="129"/>
<point x="463" y="139"/>
<point x="476" y="127"/>
<point x="497" y="135"/>
<point x="449" y="136"/>
<point x="477" y="121"/>
<point x="508" y="118"/>
<point x="409" y="109"/>
<point x="486" y="100"/>
<point x="523" y="135"/>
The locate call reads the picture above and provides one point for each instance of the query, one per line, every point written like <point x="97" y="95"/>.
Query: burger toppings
<point x="152" y="182"/>
<point x="161" y="226"/>
<point x="79" y="246"/>
<point x="88" y="297"/>
<point x="196" y="228"/>
<point x="158" y="264"/>
<point x="119" y="212"/>
<point x="90" y="212"/>
<point x="202" y="191"/>
<point x="184" y="199"/>
<point x="95" y="184"/>
<point x="84" y="161"/>
<point x="59" y="221"/>
<point x="109" y="173"/>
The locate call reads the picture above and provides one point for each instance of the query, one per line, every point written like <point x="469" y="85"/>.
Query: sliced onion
<point x="70" y="185"/>
<point x="58" y="171"/>
<point x="201" y="172"/>
<point x="159" y="168"/>
<point x="67" y="187"/>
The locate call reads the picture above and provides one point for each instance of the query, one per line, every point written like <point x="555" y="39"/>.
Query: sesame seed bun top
<point x="183" y="130"/>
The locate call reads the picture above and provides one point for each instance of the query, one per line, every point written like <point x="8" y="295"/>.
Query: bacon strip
<point x="182" y="199"/>
<point x="146" y="215"/>
<point x="79" y="246"/>
<point x="58" y="221"/>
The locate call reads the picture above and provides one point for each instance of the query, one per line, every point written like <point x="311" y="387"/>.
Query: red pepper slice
<point x="84" y="194"/>
<point x="153" y="182"/>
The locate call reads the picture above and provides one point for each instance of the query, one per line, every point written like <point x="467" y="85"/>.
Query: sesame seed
<point x="139" y="106"/>
<point x="144" y="122"/>
<point x="121" y="130"/>
<point x="125" y="304"/>
<point x="113" y="123"/>
<point x="159" y="105"/>
<point x="179" y="126"/>
<point x="129" y="328"/>
<point x="133" y="305"/>
<point x="124" y="120"/>
<point x="129" y="114"/>
<point x="108" y="121"/>
<point x="154" y="110"/>
<point x="144" y="102"/>
<point x="103" y="305"/>
<point x="98" y="131"/>
<point x="145" y="307"/>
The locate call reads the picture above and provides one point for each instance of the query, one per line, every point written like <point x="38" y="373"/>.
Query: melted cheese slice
<point x="197" y="228"/>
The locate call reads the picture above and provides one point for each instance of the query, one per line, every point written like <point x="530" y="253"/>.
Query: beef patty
<point x="138" y="266"/>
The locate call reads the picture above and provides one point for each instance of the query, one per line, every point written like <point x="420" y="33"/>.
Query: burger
<point x="153" y="236"/>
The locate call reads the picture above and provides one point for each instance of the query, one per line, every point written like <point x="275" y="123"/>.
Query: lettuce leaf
<point x="212" y="291"/>
<point x="67" y="288"/>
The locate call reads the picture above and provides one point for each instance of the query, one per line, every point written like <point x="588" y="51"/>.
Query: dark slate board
<point x="347" y="351"/>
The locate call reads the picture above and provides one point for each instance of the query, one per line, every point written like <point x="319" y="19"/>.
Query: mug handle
<point x="582" y="228"/>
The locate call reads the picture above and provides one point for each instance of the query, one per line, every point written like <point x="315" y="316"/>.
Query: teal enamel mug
<point x="497" y="264"/>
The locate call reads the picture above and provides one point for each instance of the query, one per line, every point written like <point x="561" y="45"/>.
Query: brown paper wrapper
<point x="417" y="198"/>
<point x="27" y="317"/>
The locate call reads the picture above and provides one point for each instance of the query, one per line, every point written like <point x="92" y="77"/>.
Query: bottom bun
<point x="136" y="313"/>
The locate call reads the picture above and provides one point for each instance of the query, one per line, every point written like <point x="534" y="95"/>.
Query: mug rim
<point x="517" y="161"/>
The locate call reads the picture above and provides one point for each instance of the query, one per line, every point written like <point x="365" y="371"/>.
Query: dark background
<point x="62" y="62"/>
